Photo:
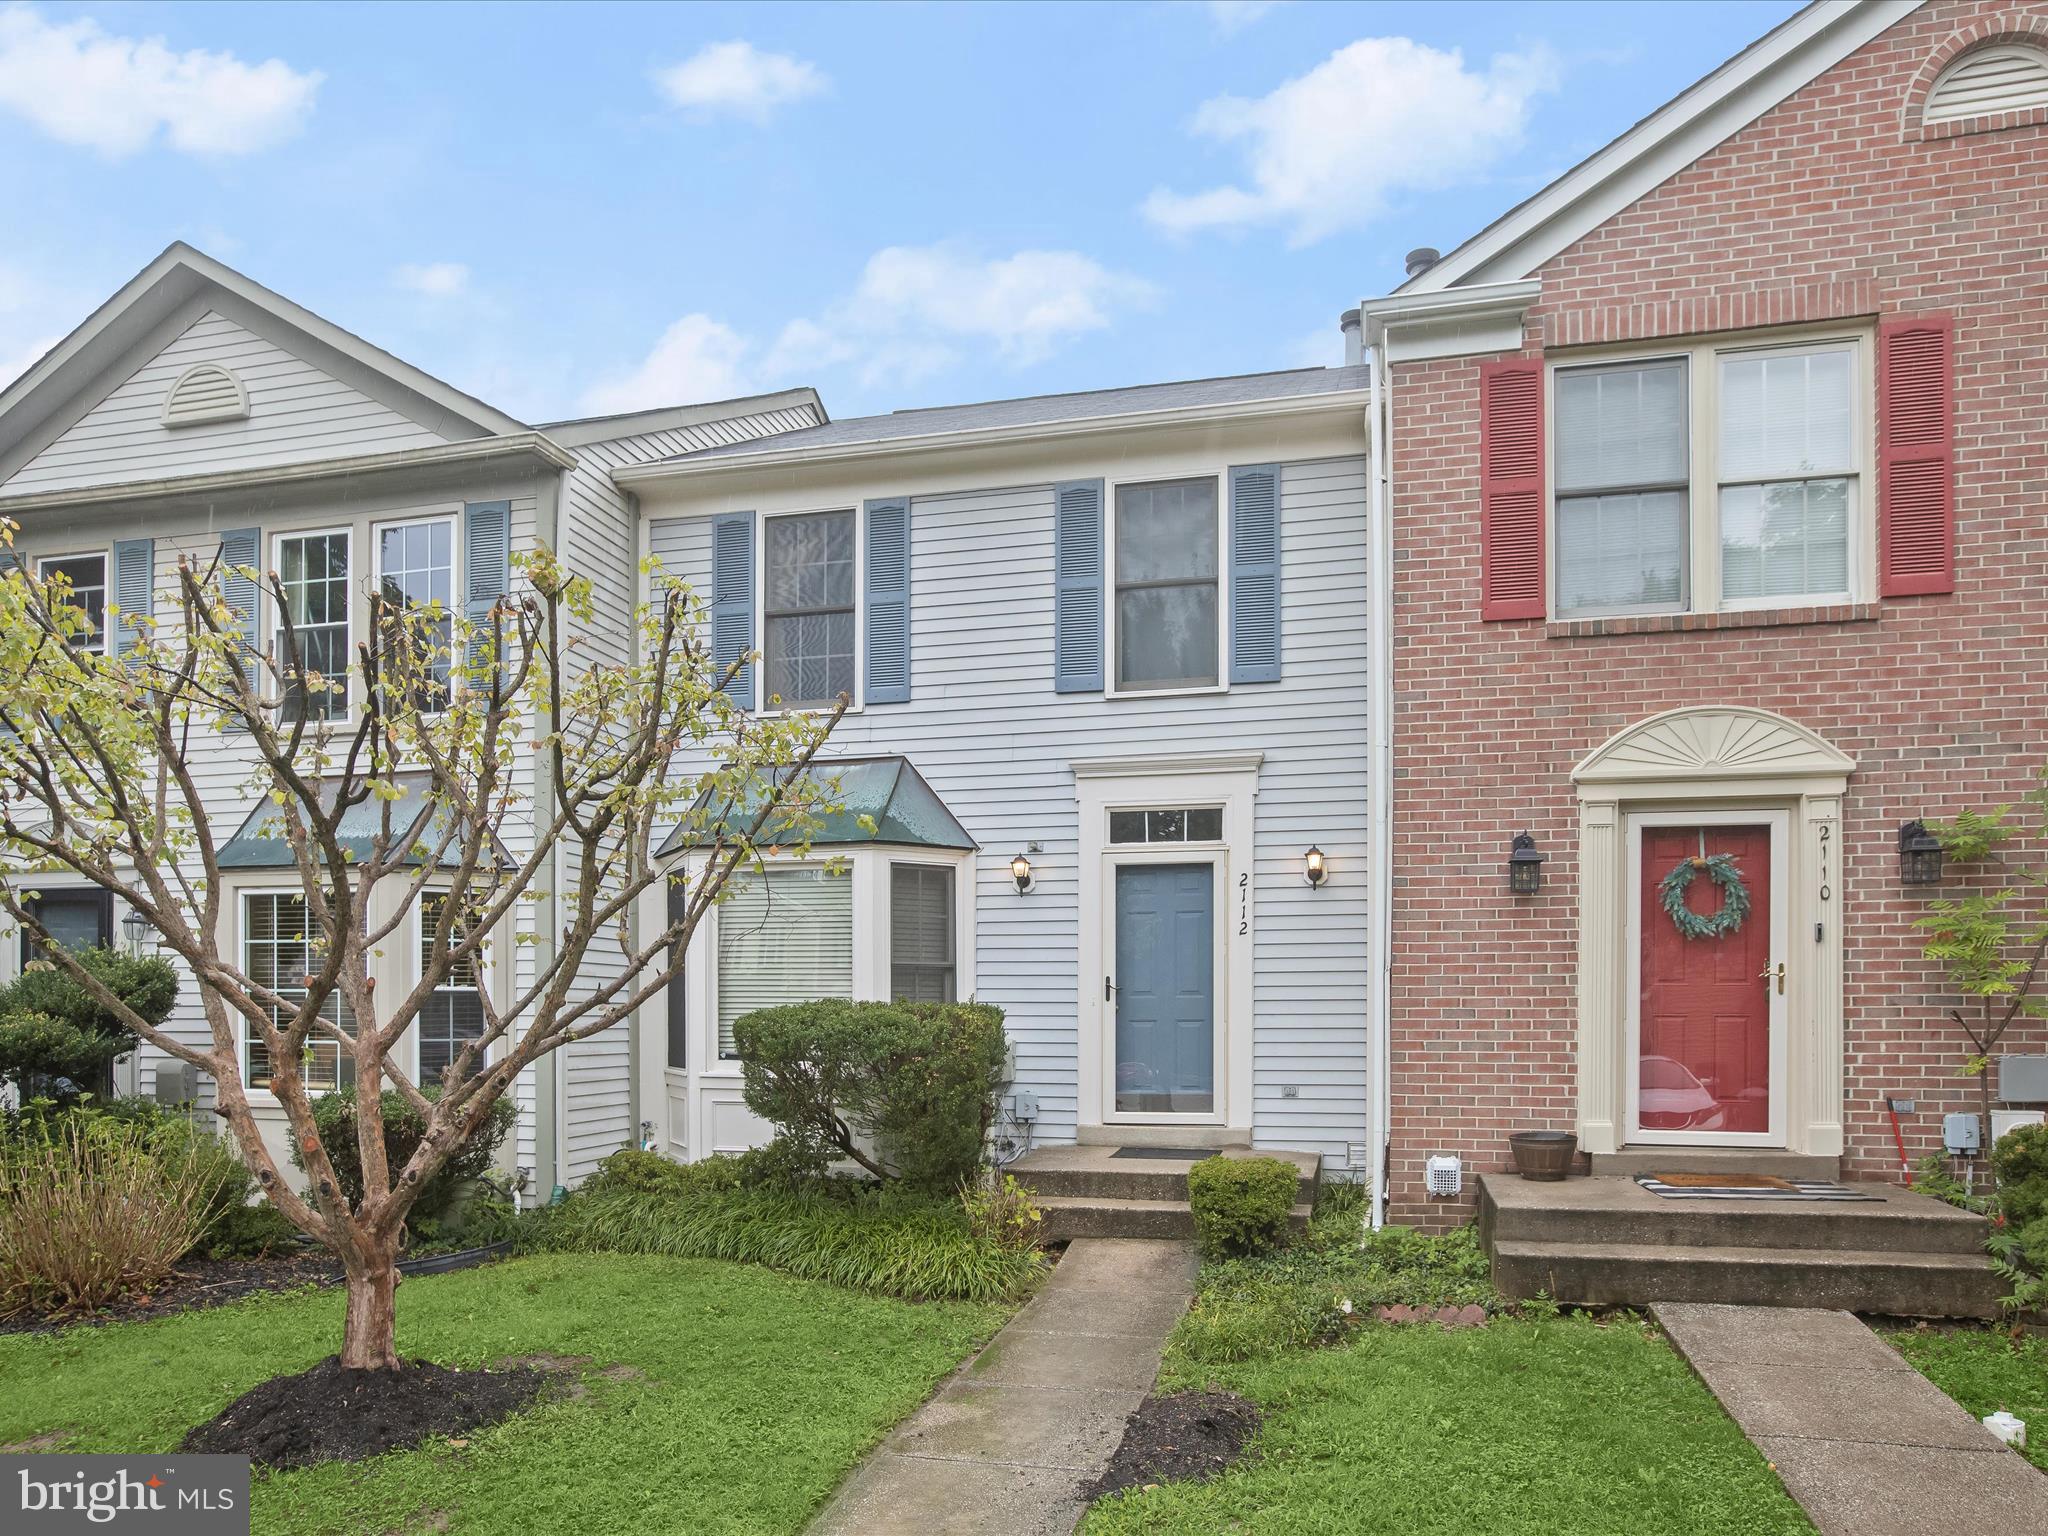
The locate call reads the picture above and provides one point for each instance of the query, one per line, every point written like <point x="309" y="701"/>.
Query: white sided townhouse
<point x="1106" y="651"/>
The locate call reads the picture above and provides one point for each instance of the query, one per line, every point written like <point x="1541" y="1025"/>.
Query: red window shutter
<point x="1511" y="488"/>
<point x="1916" y="456"/>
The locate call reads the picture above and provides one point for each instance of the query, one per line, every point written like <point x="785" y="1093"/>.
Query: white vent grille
<point x="1446" y="1175"/>
<point x="2005" y="78"/>
<point x="205" y="392"/>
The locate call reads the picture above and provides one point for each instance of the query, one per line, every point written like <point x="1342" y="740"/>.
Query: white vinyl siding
<point x="297" y="412"/>
<point x="992" y="737"/>
<point x="784" y="936"/>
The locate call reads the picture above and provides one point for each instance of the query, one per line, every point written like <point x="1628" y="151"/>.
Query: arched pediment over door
<point x="1714" y="742"/>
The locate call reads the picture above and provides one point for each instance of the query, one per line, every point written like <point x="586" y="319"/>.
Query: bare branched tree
<point x="484" y="763"/>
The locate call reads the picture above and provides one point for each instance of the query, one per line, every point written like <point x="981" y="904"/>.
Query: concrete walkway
<point x="1866" y="1443"/>
<point x="1007" y="1443"/>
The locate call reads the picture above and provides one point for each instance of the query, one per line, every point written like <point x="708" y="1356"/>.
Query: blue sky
<point x="583" y="208"/>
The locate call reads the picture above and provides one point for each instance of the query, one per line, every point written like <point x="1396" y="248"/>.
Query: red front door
<point x="1704" y="1061"/>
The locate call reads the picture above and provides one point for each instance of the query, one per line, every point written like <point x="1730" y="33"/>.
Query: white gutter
<point x="1379" y="915"/>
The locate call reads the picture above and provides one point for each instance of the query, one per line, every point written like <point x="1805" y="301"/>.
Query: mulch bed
<point x="197" y="1283"/>
<point x="1184" y="1437"/>
<point x="332" y="1413"/>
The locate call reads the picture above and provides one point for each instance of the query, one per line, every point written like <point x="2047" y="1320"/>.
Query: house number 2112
<point x="1244" y="903"/>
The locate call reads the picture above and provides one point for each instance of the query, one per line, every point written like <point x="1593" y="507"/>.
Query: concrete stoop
<point x="1608" y="1242"/>
<point x="1086" y="1192"/>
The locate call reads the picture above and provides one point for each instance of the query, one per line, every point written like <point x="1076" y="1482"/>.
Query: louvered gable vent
<point x="2006" y="77"/>
<point x="205" y="392"/>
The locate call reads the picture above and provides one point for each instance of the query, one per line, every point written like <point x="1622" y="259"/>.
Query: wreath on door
<point x="1722" y="870"/>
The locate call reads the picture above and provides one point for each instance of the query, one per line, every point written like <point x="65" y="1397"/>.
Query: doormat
<point x="1721" y="1186"/>
<point x="1177" y="1154"/>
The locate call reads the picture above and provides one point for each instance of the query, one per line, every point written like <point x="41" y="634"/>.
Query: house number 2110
<point x="1244" y="903"/>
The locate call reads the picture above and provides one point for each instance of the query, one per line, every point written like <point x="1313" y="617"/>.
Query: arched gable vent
<point x="2007" y="77"/>
<point x="205" y="392"/>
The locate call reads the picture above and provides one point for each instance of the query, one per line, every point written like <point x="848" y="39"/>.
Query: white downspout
<point x="1380" y="769"/>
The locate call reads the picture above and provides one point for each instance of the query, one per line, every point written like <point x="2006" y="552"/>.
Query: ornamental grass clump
<point x="88" y="1214"/>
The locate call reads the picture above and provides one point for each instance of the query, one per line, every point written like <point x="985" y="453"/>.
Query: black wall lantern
<point x="1920" y="855"/>
<point x="1315" y="868"/>
<point x="1020" y="871"/>
<point x="1525" y="866"/>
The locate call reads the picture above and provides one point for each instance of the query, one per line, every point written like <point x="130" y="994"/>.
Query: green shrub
<point x="250" y="1232"/>
<point x="781" y="1163"/>
<point x="2020" y="1160"/>
<point x="919" y="1080"/>
<point x="633" y="1171"/>
<point x="1001" y="1211"/>
<point x="334" y="1118"/>
<point x="1240" y="1203"/>
<point x="51" y="1028"/>
<point x="886" y="1241"/>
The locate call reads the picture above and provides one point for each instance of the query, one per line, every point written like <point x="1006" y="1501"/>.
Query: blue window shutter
<point x="888" y="665"/>
<point x="1255" y="573"/>
<point x="732" y="599"/>
<point x="241" y="547"/>
<point x="1077" y="587"/>
<point x="486" y="557"/>
<point x="134" y="588"/>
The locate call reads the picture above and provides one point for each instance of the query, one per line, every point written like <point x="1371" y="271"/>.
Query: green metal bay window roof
<point x="905" y="811"/>
<point x="261" y="844"/>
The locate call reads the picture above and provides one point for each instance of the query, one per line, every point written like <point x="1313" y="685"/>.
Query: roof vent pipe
<point x="1422" y="258"/>
<point x="1354" y="338"/>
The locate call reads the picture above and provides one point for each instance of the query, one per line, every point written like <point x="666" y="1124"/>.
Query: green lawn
<point x="749" y="1394"/>
<point x="1986" y="1371"/>
<point x="1521" y="1426"/>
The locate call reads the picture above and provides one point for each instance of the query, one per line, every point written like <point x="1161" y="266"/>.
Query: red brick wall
<point x="1832" y="204"/>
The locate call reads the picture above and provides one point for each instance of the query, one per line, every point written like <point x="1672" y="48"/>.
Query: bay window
<point x="784" y="936"/>
<point x="454" y="1015"/>
<point x="277" y="954"/>
<point x="1727" y="476"/>
<point x="1168" y="554"/>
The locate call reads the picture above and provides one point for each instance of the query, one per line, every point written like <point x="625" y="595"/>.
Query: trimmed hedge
<point x="886" y="1242"/>
<point x="334" y="1117"/>
<point x="1240" y="1204"/>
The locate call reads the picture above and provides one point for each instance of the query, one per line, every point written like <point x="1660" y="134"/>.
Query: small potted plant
<point x="1543" y="1155"/>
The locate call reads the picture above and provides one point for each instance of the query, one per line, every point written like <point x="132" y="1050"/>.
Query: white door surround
<point x="1699" y="761"/>
<point x="1226" y="779"/>
<point x="1779" y="917"/>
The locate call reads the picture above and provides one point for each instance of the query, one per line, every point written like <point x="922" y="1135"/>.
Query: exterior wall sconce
<point x="1020" y="871"/>
<point x="1525" y="866"/>
<point x="1920" y="855"/>
<point x="1314" y="867"/>
<point x="140" y="933"/>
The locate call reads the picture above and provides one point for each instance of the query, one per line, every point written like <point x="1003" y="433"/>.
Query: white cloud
<point x="739" y="79"/>
<point x="1233" y="16"/>
<point x="82" y="85"/>
<point x="436" y="279"/>
<point x="915" y="311"/>
<point x="698" y="358"/>
<point x="1325" y="151"/>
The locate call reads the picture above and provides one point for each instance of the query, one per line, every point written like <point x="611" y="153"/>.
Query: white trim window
<point x="313" y="572"/>
<point x="87" y="590"/>
<point x="785" y="935"/>
<point x="1194" y="824"/>
<point x="277" y="954"/>
<point x="1724" y="477"/>
<point x="1167" y="603"/>
<point x="809" y="608"/>
<point x="453" y="1015"/>
<point x="415" y="570"/>
<point x="923" y="948"/>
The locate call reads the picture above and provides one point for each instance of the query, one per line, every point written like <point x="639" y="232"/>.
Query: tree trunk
<point x="369" y="1340"/>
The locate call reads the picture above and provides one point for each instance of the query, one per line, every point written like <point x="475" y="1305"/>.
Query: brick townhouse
<point x="1715" y="490"/>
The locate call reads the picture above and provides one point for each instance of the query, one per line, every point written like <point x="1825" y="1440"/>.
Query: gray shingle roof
<point x="1045" y="410"/>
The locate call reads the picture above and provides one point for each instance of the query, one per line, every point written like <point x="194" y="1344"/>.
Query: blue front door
<point x="1165" y="989"/>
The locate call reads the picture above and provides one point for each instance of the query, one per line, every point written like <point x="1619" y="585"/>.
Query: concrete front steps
<point x="1087" y="1192"/>
<point x="1609" y="1242"/>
